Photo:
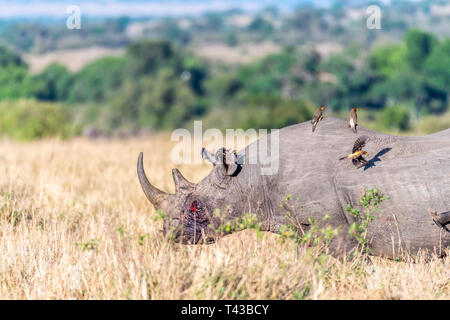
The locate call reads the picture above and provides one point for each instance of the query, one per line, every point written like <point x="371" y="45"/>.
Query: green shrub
<point x="369" y="201"/>
<point x="15" y="82"/>
<point x="395" y="118"/>
<point x="419" y="45"/>
<point x="98" y="81"/>
<point x="272" y="113"/>
<point x="28" y="120"/>
<point x="437" y="66"/>
<point x="387" y="60"/>
<point x="52" y="84"/>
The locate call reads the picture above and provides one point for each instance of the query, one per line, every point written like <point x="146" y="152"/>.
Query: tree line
<point x="157" y="85"/>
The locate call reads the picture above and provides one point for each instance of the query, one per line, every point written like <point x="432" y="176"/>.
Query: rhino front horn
<point x="181" y="183"/>
<point x="153" y="194"/>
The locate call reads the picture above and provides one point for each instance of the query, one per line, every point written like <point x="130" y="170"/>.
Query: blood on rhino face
<point x="194" y="213"/>
<point x="193" y="222"/>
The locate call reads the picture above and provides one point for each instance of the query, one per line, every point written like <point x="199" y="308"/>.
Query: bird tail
<point x="342" y="158"/>
<point x="354" y="129"/>
<point x="314" y="126"/>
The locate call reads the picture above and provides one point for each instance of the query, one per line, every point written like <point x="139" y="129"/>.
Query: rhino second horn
<point x="153" y="194"/>
<point x="181" y="183"/>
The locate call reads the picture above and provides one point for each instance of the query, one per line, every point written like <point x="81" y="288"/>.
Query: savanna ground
<point x="75" y="224"/>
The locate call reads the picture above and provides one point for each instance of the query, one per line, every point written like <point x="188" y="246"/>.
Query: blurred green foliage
<point x="437" y="67"/>
<point x="388" y="60"/>
<point x="162" y="101"/>
<point x="419" y="46"/>
<point x="158" y="85"/>
<point x="14" y="78"/>
<point x="52" y="84"/>
<point x="28" y="119"/>
<point x="395" y="118"/>
<point x="97" y="82"/>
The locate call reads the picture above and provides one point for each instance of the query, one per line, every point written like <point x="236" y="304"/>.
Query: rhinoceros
<point x="413" y="172"/>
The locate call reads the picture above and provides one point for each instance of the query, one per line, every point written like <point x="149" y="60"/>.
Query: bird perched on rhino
<point x="318" y="115"/>
<point x="353" y="119"/>
<point x="357" y="152"/>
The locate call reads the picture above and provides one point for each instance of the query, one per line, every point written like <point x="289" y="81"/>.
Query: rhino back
<point x="413" y="172"/>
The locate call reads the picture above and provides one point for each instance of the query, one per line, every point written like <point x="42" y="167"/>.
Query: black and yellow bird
<point x="353" y="119"/>
<point x="357" y="152"/>
<point x="318" y="115"/>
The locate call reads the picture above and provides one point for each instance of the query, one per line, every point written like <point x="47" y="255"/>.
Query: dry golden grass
<point x="74" y="224"/>
<point x="431" y="124"/>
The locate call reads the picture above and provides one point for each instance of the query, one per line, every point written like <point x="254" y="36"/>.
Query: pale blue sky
<point x="108" y="8"/>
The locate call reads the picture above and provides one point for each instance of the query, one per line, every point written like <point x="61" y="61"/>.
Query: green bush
<point x="98" y="81"/>
<point x="28" y="120"/>
<point x="15" y="82"/>
<point x="147" y="56"/>
<point x="387" y="60"/>
<point x="272" y="113"/>
<point x="52" y="84"/>
<point x="395" y="117"/>
<point x="9" y="57"/>
<point x="164" y="102"/>
<point x="437" y="66"/>
<point x="419" y="45"/>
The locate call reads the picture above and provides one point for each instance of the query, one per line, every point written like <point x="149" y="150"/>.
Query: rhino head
<point x="195" y="211"/>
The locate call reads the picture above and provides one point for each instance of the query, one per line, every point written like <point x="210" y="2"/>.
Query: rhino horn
<point x="153" y="194"/>
<point x="181" y="183"/>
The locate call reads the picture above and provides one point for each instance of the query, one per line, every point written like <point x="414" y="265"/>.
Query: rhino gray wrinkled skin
<point x="413" y="172"/>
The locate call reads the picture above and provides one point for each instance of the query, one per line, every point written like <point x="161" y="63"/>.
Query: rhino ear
<point x="224" y="160"/>
<point x="208" y="156"/>
<point x="229" y="160"/>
